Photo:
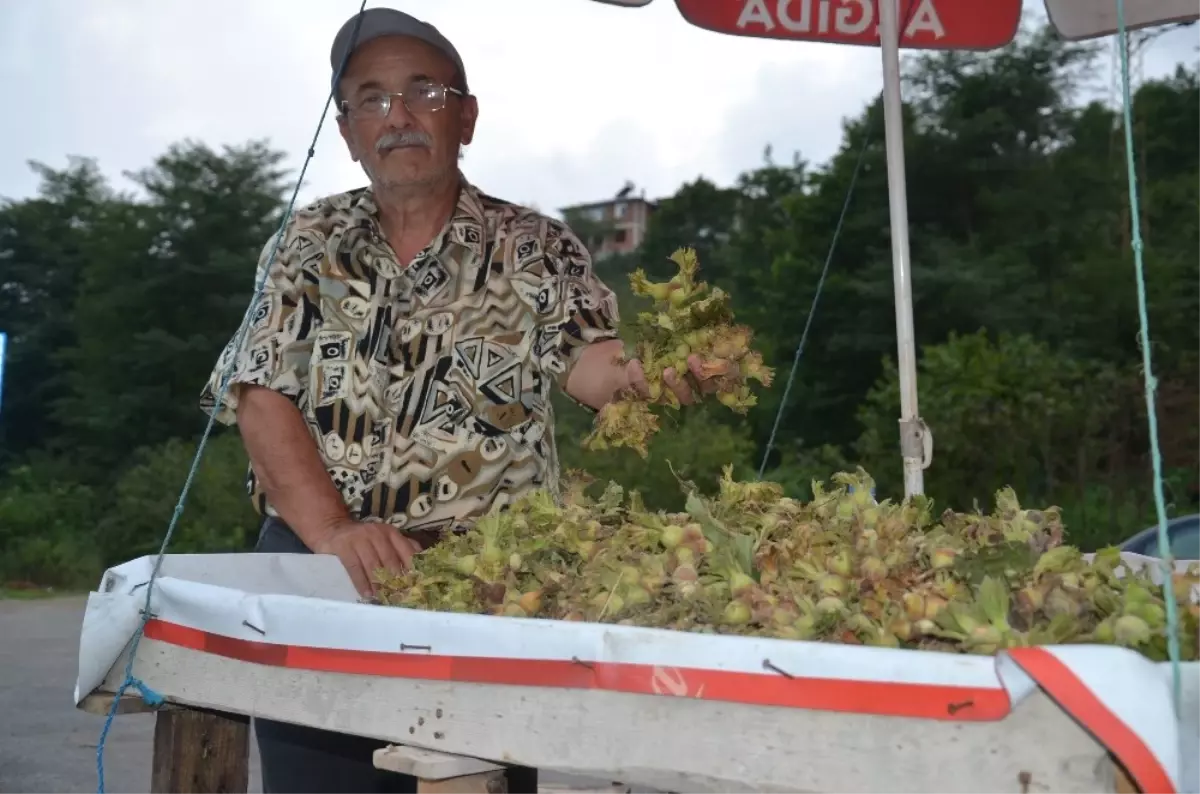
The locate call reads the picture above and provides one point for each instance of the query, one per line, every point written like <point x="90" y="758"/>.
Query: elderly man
<point x="394" y="383"/>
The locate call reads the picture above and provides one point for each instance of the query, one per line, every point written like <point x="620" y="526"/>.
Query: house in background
<point x="613" y="226"/>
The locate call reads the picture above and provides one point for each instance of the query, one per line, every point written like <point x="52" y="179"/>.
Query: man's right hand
<point x="365" y="547"/>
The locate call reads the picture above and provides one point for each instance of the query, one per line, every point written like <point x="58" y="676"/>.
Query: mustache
<point x="396" y="140"/>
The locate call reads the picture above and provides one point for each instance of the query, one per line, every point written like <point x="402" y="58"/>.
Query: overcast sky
<point x="575" y="96"/>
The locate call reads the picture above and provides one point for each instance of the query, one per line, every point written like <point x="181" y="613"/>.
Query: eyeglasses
<point x="420" y="97"/>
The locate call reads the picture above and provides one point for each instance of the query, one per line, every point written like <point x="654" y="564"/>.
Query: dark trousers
<point x="298" y="759"/>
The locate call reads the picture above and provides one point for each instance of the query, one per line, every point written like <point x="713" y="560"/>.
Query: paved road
<point x="46" y="744"/>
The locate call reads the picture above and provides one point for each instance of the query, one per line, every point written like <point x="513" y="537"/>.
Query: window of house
<point x="620" y="210"/>
<point x="620" y="235"/>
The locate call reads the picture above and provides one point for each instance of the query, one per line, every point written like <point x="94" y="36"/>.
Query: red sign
<point x="925" y="24"/>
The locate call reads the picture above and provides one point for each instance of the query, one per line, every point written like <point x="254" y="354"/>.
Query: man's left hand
<point x="681" y="385"/>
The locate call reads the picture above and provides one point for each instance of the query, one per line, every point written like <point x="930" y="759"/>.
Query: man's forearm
<point x="288" y="465"/>
<point x="599" y="374"/>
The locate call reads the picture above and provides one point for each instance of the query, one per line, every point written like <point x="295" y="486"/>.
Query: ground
<point x="46" y="744"/>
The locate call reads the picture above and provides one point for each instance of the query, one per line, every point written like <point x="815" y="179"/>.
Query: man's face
<point x="406" y="150"/>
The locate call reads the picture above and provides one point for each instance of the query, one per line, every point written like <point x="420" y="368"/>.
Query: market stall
<point x="209" y="641"/>
<point x="283" y="637"/>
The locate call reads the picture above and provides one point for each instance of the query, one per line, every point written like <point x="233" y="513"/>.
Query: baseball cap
<point x="376" y="22"/>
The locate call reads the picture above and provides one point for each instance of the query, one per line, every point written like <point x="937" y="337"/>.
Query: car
<point x="1183" y="534"/>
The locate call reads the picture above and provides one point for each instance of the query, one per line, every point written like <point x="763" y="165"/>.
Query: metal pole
<point x="913" y="435"/>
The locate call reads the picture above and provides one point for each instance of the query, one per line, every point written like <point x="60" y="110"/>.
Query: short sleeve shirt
<point x="426" y="386"/>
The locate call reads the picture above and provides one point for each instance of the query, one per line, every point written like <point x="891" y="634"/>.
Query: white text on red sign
<point x="841" y="17"/>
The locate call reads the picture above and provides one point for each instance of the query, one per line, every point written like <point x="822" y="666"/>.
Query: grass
<point x="20" y="591"/>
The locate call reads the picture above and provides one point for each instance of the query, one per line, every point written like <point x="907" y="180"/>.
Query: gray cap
<point x="378" y="22"/>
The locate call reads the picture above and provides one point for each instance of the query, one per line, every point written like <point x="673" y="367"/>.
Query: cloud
<point x="1168" y="49"/>
<point x="576" y="96"/>
<point x="795" y="114"/>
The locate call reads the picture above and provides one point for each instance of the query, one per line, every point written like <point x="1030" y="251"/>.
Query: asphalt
<point x="47" y="745"/>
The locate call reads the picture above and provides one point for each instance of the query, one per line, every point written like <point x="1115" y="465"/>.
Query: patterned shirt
<point x="426" y="387"/>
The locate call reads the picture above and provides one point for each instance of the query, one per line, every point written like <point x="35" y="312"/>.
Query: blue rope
<point x="812" y="310"/>
<point x="1164" y="544"/>
<point x="151" y="697"/>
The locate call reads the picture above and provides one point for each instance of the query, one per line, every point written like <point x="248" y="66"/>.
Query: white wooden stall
<point x="283" y="637"/>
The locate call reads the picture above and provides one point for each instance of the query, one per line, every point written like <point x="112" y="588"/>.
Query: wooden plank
<point x="200" y="752"/>
<point x="100" y="703"/>
<point x="458" y="772"/>
<point x="430" y="764"/>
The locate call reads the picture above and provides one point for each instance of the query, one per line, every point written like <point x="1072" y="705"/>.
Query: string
<point x="1151" y="383"/>
<point x="150" y="696"/>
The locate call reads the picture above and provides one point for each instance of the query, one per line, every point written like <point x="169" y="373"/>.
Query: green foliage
<point x="801" y="466"/>
<point x="217" y="516"/>
<point x="172" y="279"/>
<point x="1002" y="410"/>
<point x="676" y="453"/>
<point x="58" y="531"/>
<point x="45" y="243"/>
<point x="1023" y="289"/>
<point x="47" y="528"/>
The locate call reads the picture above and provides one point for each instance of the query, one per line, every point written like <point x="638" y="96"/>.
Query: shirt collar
<point x="466" y="227"/>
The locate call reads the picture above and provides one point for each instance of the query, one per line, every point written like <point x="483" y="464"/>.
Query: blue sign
<point x="3" y="346"/>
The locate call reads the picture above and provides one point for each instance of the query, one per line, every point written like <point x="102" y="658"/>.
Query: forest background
<point x="117" y="305"/>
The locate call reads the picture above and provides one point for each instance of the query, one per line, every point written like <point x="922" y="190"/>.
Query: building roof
<point x="610" y="202"/>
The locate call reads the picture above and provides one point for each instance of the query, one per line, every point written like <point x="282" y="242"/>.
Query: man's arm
<point x="268" y="379"/>
<point x="578" y="343"/>
<point x="293" y="476"/>
<point x="288" y="466"/>
<point x="584" y="351"/>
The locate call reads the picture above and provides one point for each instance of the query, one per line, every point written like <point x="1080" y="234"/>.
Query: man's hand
<point x="602" y="373"/>
<point x="365" y="547"/>
<point x="672" y="380"/>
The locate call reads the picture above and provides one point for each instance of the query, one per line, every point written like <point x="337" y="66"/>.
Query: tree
<point x="165" y="289"/>
<point x="45" y="244"/>
<point x="700" y="215"/>
<point x="1011" y="411"/>
<point x="695" y="447"/>
<point x="217" y="516"/>
<point x="1023" y="288"/>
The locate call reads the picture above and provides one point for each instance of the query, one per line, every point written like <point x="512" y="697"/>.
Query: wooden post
<point x="197" y="751"/>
